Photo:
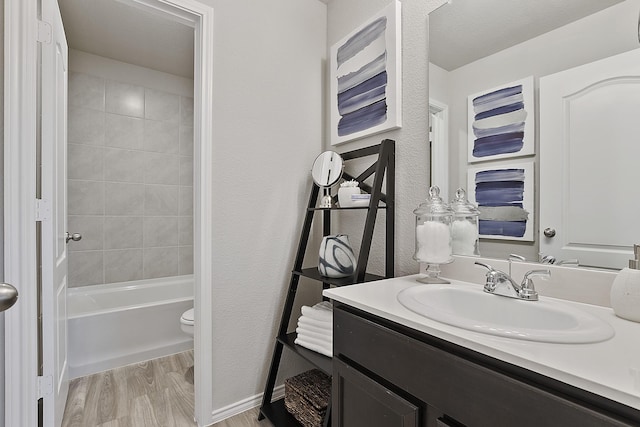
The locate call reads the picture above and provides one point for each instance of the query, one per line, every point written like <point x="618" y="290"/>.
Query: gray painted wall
<point x="412" y="148"/>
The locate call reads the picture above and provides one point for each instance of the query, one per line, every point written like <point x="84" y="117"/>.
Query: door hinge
<point x="44" y="32"/>
<point x="43" y="209"/>
<point x="45" y="386"/>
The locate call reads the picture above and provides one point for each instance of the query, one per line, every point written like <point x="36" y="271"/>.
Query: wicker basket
<point x="306" y="397"/>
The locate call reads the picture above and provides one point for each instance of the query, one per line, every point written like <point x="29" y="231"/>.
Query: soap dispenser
<point x="625" y="291"/>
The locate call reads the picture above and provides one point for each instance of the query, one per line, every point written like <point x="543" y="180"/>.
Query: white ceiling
<point x="114" y="30"/>
<point x="460" y="32"/>
<point x="467" y="30"/>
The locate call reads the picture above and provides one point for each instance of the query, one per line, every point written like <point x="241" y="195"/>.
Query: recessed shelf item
<point x="382" y="170"/>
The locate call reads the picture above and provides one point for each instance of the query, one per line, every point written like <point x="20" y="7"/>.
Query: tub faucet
<point x="500" y="283"/>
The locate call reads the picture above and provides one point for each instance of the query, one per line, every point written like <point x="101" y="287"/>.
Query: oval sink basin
<point x="473" y="309"/>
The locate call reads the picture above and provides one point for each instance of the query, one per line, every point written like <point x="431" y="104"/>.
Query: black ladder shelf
<point x="383" y="167"/>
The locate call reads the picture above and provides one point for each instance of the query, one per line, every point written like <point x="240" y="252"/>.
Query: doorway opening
<point x="22" y="383"/>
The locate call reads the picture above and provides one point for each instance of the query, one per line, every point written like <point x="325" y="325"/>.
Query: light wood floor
<point x="148" y="394"/>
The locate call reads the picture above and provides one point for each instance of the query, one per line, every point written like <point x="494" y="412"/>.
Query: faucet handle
<point x="527" y="289"/>
<point x="492" y="273"/>
<point x="487" y="266"/>
<point x="516" y="257"/>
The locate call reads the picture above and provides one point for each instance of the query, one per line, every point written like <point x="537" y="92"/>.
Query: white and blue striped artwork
<point x="366" y="78"/>
<point x="502" y="122"/>
<point x="505" y="198"/>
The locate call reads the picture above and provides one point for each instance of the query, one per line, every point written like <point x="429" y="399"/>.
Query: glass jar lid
<point x="434" y="205"/>
<point x="461" y="205"/>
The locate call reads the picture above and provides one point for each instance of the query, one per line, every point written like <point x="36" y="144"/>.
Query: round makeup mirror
<point x="327" y="169"/>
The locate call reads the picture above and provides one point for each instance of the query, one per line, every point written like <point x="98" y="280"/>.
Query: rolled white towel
<point x="318" y="347"/>
<point x="322" y="314"/>
<point x="303" y="332"/>
<point x="308" y="321"/>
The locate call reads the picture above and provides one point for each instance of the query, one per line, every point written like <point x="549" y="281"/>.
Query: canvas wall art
<point x="366" y="78"/>
<point x="501" y="122"/>
<point x="505" y="197"/>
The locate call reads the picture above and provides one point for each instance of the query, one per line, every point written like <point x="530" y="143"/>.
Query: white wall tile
<point x="124" y="132"/>
<point x="84" y="162"/>
<point x="160" y="262"/>
<point x="85" y="126"/>
<point x="86" y="91"/>
<point x="160" y="200"/>
<point x="122" y="265"/>
<point x="160" y="231"/>
<point x="125" y="99"/>
<point x="124" y="198"/>
<point x="160" y="105"/>
<point x="185" y="260"/>
<point x="85" y="268"/>
<point x="185" y="230"/>
<point x="123" y="165"/>
<point x="186" y="111"/>
<point x="186" y="140"/>
<point x="85" y="197"/>
<point x="91" y="229"/>
<point x="131" y="176"/>
<point x="186" y="170"/>
<point x="161" y="169"/>
<point x="186" y="201"/>
<point x="122" y="232"/>
<point x="161" y="137"/>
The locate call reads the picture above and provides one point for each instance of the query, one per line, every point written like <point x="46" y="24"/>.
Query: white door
<point x="54" y="219"/>
<point x="589" y="157"/>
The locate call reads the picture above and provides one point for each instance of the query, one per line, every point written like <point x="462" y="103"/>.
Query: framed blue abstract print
<point x="366" y="78"/>
<point x="505" y="197"/>
<point x="501" y="122"/>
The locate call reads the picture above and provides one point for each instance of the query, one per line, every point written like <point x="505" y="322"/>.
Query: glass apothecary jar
<point x="464" y="228"/>
<point x="433" y="235"/>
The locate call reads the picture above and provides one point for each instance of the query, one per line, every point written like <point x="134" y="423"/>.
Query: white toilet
<point x="186" y="322"/>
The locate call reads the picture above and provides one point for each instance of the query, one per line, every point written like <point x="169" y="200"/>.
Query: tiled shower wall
<point x="130" y="187"/>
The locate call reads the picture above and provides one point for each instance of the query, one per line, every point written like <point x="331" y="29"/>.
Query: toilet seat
<point x="187" y="317"/>
<point x="187" y="321"/>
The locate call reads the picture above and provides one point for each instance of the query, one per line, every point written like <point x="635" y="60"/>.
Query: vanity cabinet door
<point x="359" y="401"/>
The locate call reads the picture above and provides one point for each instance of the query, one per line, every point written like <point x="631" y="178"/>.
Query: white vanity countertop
<point x="610" y="368"/>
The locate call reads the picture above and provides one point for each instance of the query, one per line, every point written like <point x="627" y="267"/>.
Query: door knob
<point x="549" y="232"/>
<point x="76" y="237"/>
<point x="8" y="296"/>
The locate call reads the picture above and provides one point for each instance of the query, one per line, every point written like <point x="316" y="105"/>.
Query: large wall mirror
<point x="584" y="57"/>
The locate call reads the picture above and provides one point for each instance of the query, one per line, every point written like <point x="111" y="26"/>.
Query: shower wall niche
<point x="130" y="172"/>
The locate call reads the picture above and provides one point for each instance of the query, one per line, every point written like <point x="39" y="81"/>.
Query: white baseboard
<point x="244" y="405"/>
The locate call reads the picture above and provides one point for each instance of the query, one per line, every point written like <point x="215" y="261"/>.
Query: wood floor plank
<point x="74" y="410"/>
<point x="141" y="379"/>
<point x="143" y="413"/>
<point x="107" y="399"/>
<point x="153" y="393"/>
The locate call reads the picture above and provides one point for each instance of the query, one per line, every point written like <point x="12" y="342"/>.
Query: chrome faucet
<point x="500" y="283"/>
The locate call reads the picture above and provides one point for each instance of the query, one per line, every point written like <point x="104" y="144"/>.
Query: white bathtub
<point x="118" y="324"/>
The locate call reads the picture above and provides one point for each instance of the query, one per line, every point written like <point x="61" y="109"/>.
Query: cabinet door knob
<point x="549" y="232"/>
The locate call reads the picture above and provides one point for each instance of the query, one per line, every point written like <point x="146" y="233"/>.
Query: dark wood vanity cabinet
<point x="388" y="375"/>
